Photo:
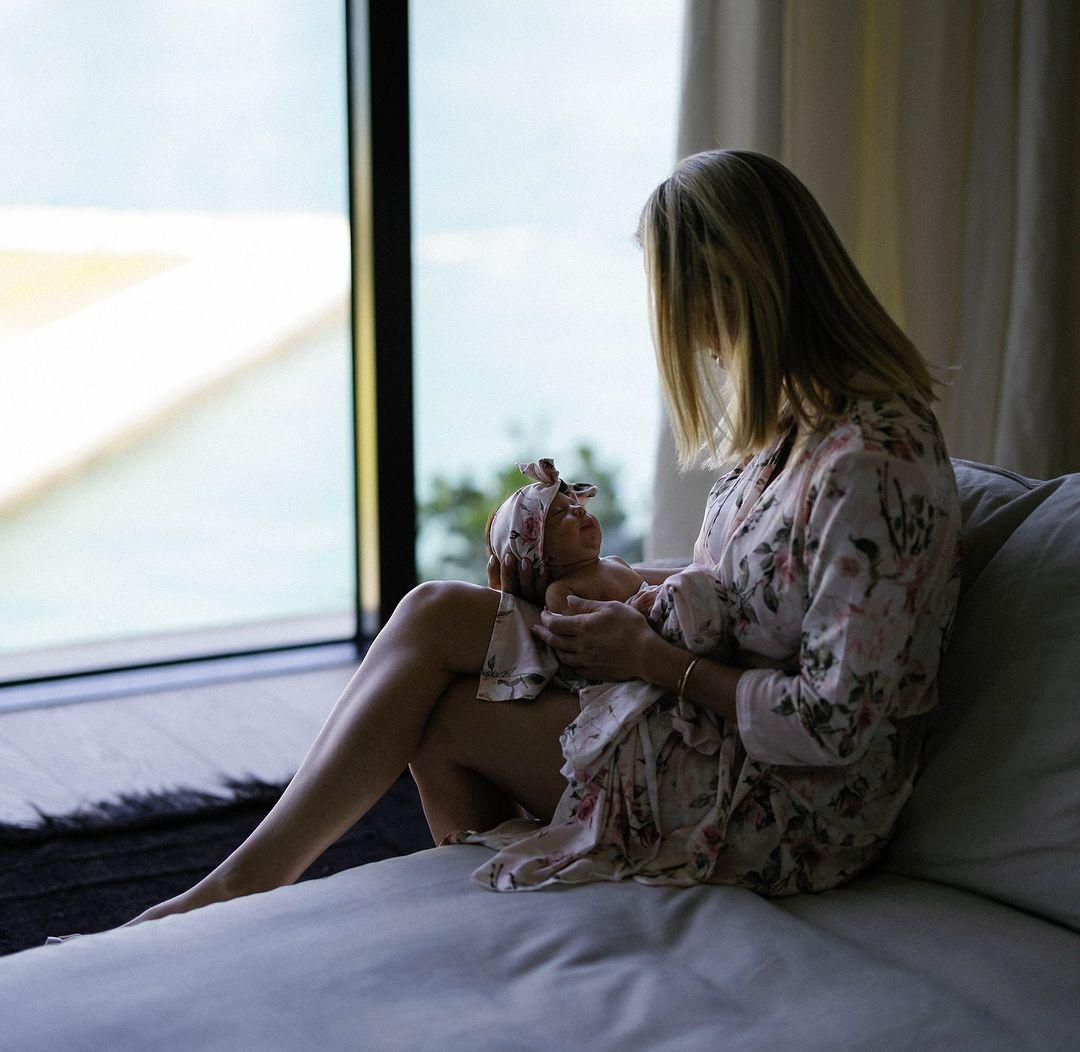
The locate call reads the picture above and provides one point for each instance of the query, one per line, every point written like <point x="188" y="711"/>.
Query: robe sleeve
<point x="877" y="551"/>
<point x="692" y="610"/>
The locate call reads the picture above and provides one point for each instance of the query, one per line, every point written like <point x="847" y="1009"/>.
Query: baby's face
<point x="571" y="533"/>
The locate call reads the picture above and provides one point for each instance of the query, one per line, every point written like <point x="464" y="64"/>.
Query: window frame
<point x="380" y="320"/>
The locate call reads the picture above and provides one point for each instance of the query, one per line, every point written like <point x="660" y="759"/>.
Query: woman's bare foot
<point x="212" y="888"/>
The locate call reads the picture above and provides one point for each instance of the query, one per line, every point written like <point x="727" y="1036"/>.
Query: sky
<point x="537" y="132"/>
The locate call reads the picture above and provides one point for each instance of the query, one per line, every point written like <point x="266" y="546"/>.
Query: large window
<point x="537" y="132"/>
<point x="176" y="408"/>
<point x="182" y="395"/>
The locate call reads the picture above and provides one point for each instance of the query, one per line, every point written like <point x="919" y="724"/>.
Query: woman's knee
<point x="451" y="621"/>
<point x="434" y="600"/>
<point x="428" y="597"/>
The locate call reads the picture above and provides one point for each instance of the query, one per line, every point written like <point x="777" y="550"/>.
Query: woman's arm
<point x="883" y="581"/>
<point x="612" y="641"/>
<point x="655" y="574"/>
<point x="711" y="684"/>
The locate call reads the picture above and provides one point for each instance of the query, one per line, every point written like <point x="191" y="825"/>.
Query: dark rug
<point x="97" y="868"/>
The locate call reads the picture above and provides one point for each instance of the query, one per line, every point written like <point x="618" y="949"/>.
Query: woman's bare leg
<point x="439" y="630"/>
<point x="453" y="797"/>
<point x="478" y="757"/>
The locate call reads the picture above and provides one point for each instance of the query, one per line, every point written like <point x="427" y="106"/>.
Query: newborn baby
<point x="547" y="523"/>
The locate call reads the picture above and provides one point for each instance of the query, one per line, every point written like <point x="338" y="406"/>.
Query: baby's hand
<point x="643" y="601"/>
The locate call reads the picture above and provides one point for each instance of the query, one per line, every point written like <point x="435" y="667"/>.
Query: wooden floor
<point x="66" y="756"/>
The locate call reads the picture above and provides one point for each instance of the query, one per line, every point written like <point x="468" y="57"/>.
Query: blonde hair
<point x="742" y="261"/>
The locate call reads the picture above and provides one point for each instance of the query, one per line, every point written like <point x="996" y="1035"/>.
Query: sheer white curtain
<point x="940" y="138"/>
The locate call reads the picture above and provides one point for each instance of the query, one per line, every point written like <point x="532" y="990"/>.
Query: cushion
<point x="996" y="805"/>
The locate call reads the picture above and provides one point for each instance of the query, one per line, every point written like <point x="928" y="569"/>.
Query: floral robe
<point x="836" y="589"/>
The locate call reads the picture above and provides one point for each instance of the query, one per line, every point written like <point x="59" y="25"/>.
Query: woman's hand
<point x="606" y="641"/>
<point x="517" y="579"/>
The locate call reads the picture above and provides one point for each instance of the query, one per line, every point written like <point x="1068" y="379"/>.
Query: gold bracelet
<point x="685" y="677"/>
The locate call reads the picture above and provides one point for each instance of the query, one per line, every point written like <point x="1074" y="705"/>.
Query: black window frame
<point x="380" y="320"/>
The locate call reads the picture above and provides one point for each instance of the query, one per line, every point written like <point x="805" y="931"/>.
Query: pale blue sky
<point x="538" y="130"/>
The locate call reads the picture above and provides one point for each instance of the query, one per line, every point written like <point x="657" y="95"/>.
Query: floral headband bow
<point x="518" y="525"/>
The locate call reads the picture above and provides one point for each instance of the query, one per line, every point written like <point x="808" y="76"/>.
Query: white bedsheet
<point x="408" y="953"/>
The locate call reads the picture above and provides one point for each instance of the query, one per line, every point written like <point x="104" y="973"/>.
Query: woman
<point x="832" y="548"/>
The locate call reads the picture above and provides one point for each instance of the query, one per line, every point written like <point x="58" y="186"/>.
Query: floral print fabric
<point x="836" y="589"/>
<point x="518" y="524"/>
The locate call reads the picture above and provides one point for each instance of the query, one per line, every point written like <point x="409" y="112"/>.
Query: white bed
<point x="409" y="954"/>
<point x="966" y="936"/>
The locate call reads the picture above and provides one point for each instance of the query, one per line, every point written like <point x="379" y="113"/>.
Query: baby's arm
<point x="555" y="597"/>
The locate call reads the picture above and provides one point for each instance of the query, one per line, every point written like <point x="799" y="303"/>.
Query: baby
<point x="547" y="523"/>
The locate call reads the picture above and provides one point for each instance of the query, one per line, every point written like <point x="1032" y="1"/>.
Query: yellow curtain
<point x="939" y="136"/>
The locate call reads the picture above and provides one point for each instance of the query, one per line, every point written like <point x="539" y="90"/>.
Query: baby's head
<point x="546" y="522"/>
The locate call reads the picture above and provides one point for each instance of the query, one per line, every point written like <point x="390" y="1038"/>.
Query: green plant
<point x="455" y="512"/>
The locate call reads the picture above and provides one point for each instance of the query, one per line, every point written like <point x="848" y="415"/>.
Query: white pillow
<point x="996" y="805"/>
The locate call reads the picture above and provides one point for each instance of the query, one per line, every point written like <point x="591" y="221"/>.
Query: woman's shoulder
<point x="897" y="439"/>
<point x="899" y="428"/>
